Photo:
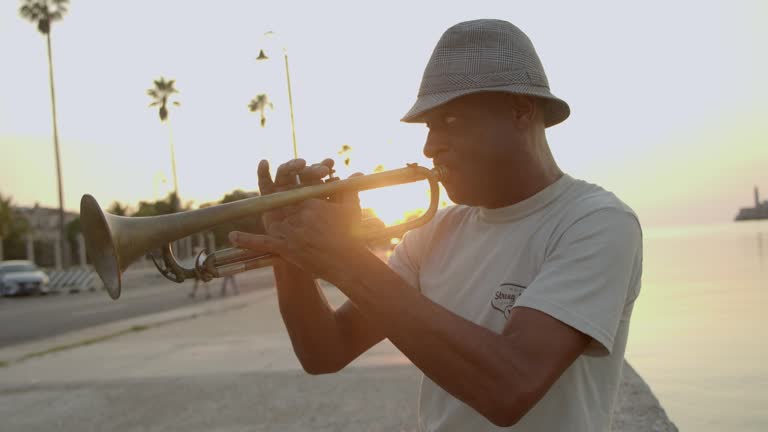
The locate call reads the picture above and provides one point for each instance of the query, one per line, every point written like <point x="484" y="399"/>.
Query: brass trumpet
<point x="114" y="242"/>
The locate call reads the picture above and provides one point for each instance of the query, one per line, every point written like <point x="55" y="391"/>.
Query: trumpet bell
<point x="100" y="245"/>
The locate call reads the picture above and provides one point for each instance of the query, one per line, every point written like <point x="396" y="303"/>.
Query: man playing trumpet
<point x="514" y="303"/>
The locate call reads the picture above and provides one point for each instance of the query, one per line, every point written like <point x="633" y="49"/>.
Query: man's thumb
<point x="254" y="242"/>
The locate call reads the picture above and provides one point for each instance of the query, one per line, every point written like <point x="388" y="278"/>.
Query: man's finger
<point x="312" y="204"/>
<point x="351" y="198"/>
<point x="255" y="242"/>
<point x="286" y="173"/>
<point x="314" y="173"/>
<point x="266" y="185"/>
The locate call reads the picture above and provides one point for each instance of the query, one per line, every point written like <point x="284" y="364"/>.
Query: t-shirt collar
<point x="528" y="206"/>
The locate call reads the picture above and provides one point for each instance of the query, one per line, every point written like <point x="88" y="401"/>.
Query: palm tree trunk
<point x="173" y="164"/>
<point x="62" y="230"/>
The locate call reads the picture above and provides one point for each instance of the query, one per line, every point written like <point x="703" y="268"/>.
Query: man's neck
<point x="533" y="170"/>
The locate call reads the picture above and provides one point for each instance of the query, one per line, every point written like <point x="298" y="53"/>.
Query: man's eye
<point x="443" y="121"/>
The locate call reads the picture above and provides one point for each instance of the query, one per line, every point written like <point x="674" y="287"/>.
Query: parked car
<point x="19" y="277"/>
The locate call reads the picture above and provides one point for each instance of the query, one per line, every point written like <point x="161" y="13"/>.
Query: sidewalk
<point x="225" y="365"/>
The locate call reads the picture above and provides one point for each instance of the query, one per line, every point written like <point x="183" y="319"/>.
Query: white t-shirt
<point x="572" y="251"/>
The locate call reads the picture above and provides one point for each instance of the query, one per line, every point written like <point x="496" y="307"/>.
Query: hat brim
<point x="556" y="110"/>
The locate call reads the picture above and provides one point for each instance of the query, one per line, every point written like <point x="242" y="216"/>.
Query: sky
<point x="668" y="99"/>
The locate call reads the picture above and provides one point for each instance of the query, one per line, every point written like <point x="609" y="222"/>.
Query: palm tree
<point x="43" y="13"/>
<point x="161" y="93"/>
<point x="345" y="151"/>
<point x="118" y="209"/>
<point x="260" y="103"/>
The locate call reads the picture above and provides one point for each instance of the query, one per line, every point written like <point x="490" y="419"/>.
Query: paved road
<point x="26" y="319"/>
<point x="231" y="370"/>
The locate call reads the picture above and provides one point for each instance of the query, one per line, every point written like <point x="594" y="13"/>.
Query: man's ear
<point x="523" y="108"/>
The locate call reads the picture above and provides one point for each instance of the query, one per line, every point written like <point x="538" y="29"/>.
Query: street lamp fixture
<point x="262" y="56"/>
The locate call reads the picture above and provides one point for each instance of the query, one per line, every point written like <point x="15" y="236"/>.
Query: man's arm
<point x="324" y="340"/>
<point x="501" y="376"/>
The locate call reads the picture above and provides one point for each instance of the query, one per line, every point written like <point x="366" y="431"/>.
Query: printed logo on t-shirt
<point x="505" y="297"/>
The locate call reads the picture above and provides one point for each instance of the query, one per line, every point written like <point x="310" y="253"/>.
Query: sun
<point x="396" y="204"/>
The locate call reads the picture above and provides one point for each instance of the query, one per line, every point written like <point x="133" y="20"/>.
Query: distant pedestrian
<point x="194" y="289"/>
<point x="196" y="251"/>
<point x="225" y="282"/>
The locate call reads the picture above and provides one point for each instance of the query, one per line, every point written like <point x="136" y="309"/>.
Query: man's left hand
<point x="316" y="236"/>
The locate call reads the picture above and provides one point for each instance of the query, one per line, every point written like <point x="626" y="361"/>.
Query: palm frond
<point x="26" y="12"/>
<point x="161" y="93"/>
<point x="43" y="12"/>
<point x="260" y="103"/>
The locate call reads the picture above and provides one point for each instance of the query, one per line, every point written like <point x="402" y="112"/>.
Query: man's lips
<point x="445" y="172"/>
<point x="440" y="161"/>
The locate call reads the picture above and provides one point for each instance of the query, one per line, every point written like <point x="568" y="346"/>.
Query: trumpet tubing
<point x="114" y="242"/>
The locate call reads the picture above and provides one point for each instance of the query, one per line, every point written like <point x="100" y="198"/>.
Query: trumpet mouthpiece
<point x="441" y="172"/>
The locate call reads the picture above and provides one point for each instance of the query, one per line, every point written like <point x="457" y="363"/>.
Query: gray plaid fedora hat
<point x="482" y="56"/>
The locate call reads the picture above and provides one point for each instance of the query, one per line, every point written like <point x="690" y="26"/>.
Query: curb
<point x="18" y="353"/>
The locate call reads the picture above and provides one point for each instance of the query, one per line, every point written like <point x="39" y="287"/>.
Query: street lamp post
<point x="262" y="56"/>
<point x="290" y="105"/>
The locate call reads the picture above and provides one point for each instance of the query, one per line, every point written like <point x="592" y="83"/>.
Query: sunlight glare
<point x="394" y="204"/>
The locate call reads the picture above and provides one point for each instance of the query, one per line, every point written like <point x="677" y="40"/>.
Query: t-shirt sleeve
<point x="587" y="276"/>
<point x="406" y="258"/>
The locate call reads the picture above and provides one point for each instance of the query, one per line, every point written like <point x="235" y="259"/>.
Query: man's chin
<point x="459" y="197"/>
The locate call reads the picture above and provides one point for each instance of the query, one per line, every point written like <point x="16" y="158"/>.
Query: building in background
<point x="759" y="211"/>
<point x="43" y="234"/>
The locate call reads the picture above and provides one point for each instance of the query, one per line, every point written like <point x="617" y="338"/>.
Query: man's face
<point x="473" y="138"/>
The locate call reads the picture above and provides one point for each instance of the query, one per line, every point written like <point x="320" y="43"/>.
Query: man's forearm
<point x="469" y="361"/>
<point x="308" y="318"/>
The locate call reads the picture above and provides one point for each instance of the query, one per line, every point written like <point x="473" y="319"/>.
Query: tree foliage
<point x="13" y="227"/>
<point x="168" y="205"/>
<point x="43" y="12"/>
<point x="161" y="93"/>
<point x="73" y="229"/>
<point x="345" y="152"/>
<point x="251" y="224"/>
<point x="118" y="209"/>
<point x="260" y="104"/>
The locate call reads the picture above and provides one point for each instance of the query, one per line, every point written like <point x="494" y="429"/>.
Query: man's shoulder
<point x="586" y="199"/>
<point x="446" y="218"/>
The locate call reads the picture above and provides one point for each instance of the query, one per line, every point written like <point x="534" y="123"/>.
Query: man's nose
<point x="433" y="145"/>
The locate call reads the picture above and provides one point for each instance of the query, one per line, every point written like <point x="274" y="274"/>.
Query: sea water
<point x="698" y="332"/>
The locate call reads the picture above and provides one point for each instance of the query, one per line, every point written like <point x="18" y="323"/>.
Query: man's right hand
<point x="285" y="179"/>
